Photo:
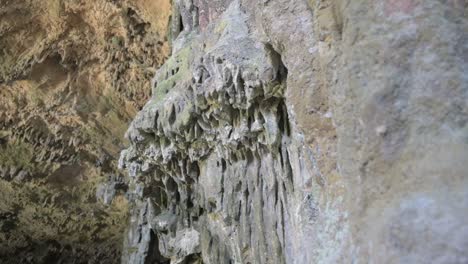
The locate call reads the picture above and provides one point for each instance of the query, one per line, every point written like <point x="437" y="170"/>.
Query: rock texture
<point x="72" y="75"/>
<point x="277" y="131"/>
<point x="304" y="132"/>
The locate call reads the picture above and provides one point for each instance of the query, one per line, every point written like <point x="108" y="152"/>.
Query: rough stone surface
<point x="72" y="75"/>
<point x="277" y="131"/>
<point x="304" y="132"/>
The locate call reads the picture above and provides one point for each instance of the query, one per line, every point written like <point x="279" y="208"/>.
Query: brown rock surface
<point x="72" y="75"/>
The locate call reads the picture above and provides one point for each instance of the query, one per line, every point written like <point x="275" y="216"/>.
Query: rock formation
<point x="72" y="76"/>
<point x="277" y="131"/>
<point x="304" y="132"/>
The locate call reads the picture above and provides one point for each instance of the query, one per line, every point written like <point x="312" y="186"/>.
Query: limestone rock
<point x="264" y="131"/>
<point x="304" y="132"/>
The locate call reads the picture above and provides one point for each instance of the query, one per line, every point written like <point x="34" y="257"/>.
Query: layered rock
<point x="319" y="132"/>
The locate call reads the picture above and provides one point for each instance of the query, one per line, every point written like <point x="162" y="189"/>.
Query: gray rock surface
<point x="304" y="132"/>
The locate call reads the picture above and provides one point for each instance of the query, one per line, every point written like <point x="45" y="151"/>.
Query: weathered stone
<point x="71" y="78"/>
<point x="278" y="131"/>
<point x="306" y="132"/>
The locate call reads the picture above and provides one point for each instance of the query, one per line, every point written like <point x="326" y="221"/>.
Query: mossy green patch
<point x="175" y="70"/>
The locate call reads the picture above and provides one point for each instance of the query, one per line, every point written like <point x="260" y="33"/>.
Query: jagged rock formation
<point x="278" y="131"/>
<point x="72" y="75"/>
<point x="304" y="132"/>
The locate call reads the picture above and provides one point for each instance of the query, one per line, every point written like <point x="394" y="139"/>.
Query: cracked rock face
<point x="305" y="132"/>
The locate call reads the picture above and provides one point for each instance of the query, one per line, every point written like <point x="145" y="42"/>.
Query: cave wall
<point x="304" y="132"/>
<point x="274" y="131"/>
<point x="72" y="76"/>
